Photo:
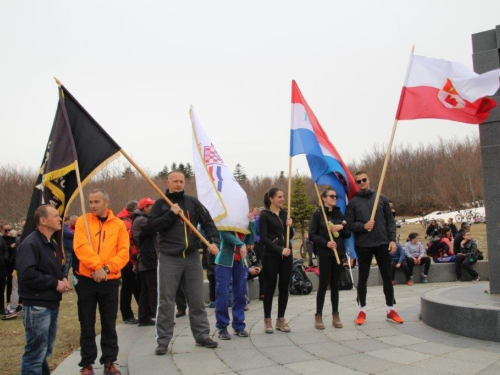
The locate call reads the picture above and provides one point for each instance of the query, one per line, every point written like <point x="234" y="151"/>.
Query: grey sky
<point x="137" y="66"/>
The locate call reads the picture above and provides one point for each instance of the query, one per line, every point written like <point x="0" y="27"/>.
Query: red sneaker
<point x="409" y="282"/>
<point x="361" y="319"/>
<point x="393" y="316"/>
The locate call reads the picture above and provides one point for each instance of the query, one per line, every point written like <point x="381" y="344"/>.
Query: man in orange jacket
<point x="98" y="273"/>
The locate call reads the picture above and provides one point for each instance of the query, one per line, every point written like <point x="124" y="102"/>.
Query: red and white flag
<point x="446" y="90"/>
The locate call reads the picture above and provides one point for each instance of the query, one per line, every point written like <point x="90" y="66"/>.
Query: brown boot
<point x="268" y="325"/>
<point x="336" y="320"/>
<point x="282" y="325"/>
<point x="318" y="321"/>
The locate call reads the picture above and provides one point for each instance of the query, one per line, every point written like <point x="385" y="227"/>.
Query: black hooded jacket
<point x="176" y="238"/>
<point x="318" y="233"/>
<point x="358" y="214"/>
<point x="146" y="242"/>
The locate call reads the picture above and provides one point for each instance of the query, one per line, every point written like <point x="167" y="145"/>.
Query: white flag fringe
<point x="216" y="186"/>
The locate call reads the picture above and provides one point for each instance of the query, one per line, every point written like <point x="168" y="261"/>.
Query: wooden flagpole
<point x="389" y="147"/>
<point x="289" y="203"/>
<point x="321" y="204"/>
<point x="169" y="202"/>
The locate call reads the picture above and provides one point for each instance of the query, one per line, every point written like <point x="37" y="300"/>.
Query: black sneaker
<point x="161" y="349"/>
<point x="131" y="321"/>
<point x="207" y="343"/>
<point x="147" y="323"/>
<point x="224" y="334"/>
<point x="241" y="333"/>
<point x="180" y="313"/>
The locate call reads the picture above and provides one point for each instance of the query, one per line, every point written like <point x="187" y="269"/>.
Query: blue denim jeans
<point x="40" y="325"/>
<point x="69" y="257"/>
<point x="223" y="277"/>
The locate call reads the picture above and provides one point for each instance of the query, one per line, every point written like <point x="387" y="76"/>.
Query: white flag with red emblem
<point x="446" y="90"/>
<point x="216" y="186"/>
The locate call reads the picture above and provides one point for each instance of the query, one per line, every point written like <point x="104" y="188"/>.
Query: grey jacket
<point x="358" y="213"/>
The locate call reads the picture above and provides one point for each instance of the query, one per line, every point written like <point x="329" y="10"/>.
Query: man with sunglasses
<point x="373" y="237"/>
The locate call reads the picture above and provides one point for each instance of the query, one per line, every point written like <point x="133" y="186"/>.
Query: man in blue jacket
<point x="68" y="234"/>
<point x="41" y="284"/>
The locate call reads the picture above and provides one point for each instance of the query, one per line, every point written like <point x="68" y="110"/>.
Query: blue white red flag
<point x="327" y="167"/>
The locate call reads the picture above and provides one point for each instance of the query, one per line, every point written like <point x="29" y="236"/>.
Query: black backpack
<point x="433" y="246"/>
<point x="345" y="282"/>
<point x="299" y="282"/>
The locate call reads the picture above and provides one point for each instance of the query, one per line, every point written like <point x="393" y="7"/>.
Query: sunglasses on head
<point x="363" y="180"/>
<point x="332" y="196"/>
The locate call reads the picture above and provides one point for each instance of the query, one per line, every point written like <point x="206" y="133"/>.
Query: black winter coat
<point x="4" y="258"/>
<point x="146" y="242"/>
<point x="318" y="232"/>
<point x="176" y="237"/>
<point x="272" y="229"/>
<point x="358" y="214"/>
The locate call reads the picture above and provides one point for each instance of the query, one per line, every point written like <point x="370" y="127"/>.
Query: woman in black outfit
<point x="278" y="258"/>
<point x="329" y="270"/>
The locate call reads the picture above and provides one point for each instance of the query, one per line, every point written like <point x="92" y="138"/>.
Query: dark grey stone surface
<point x="486" y="56"/>
<point x="466" y="311"/>
<point x="484" y="41"/>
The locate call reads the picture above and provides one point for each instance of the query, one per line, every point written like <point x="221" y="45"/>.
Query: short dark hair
<point x="412" y="235"/>
<point x="329" y="188"/>
<point x="40" y="212"/>
<point x="360" y="172"/>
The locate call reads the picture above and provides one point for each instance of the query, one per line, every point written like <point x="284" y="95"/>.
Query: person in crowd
<point x="445" y="249"/>
<point x="373" y="238"/>
<point x="393" y="210"/>
<point x="415" y="256"/>
<point x="453" y="227"/>
<point x="131" y="285"/>
<point x="4" y="258"/>
<point x="230" y="268"/>
<point x="469" y="254"/>
<point x="258" y="249"/>
<point x="100" y="262"/>
<point x="41" y="284"/>
<point x="459" y="237"/>
<point x="399" y="262"/>
<point x="16" y="302"/>
<point x="432" y="229"/>
<point x="179" y="262"/>
<point x="329" y="270"/>
<point x="10" y="241"/>
<point x="278" y="258"/>
<point x="68" y="234"/>
<point x="147" y="263"/>
<point x="309" y="249"/>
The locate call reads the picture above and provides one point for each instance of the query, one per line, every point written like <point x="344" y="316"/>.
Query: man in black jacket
<point x="179" y="261"/>
<point x="41" y="284"/>
<point x="373" y="237"/>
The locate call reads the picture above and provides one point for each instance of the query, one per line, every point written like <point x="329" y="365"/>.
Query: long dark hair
<point x="444" y="231"/>
<point x="270" y="194"/>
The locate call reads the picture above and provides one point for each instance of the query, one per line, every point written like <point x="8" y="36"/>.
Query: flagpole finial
<point x="413" y="49"/>
<point x="58" y="82"/>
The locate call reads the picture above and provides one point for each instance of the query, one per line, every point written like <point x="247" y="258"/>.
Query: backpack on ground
<point x="345" y="282"/>
<point x="299" y="282"/>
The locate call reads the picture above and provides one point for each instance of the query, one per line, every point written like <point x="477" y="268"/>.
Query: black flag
<point x="75" y="136"/>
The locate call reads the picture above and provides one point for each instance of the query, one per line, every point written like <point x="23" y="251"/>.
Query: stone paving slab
<point x="379" y="347"/>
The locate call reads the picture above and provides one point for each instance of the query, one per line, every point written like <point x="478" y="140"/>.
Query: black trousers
<point x="404" y="267"/>
<point x="90" y="295"/>
<point x="148" y="298"/>
<point x="131" y="286"/>
<point x="426" y="261"/>
<point x="329" y="273"/>
<point x="211" y="286"/>
<point x="463" y="261"/>
<point x="384" y="261"/>
<point x="3" y="283"/>
<point x="259" y="251"/>
<point x="273" y="267"/>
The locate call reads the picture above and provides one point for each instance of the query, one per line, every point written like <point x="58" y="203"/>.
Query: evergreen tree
<point x="239" y="173"/>
<point x="182" y="168"/>
<point x="173" y="167"/>
<point x="128" y="173"/>
<point x="282" y="176"/>
<point x="189" y="173"/>
<point x="301" y="208"/>
<point x="163" y="173"/>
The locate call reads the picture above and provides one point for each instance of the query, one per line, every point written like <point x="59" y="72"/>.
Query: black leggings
<point x="426" y="261"/>
<point x="3" y="283"/>
<point x="274" y="266"/>
<point x="384" y="260"/>
<point x="329" y="273"/>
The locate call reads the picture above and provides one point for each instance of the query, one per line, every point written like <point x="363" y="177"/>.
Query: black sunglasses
<point x="332" y="196"/>
<point x="362" y="180"/>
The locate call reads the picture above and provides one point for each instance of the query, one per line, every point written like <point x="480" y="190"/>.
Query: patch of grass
<point x="67" y="339"/>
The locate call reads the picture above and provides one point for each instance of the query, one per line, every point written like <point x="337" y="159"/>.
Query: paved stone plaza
<point x="379" y="347"/>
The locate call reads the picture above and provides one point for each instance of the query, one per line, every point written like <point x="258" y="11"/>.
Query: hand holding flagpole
<point x="326" y="222"/>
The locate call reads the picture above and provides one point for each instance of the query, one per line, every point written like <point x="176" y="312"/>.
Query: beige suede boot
<point x="268" y="326"/>
<point x="282" y="325"/>
<point x="336" y="320"/>
<point x="318" y="321"/>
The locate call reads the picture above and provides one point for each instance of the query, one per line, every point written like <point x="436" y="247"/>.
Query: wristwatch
<point x="106" y="269"/>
